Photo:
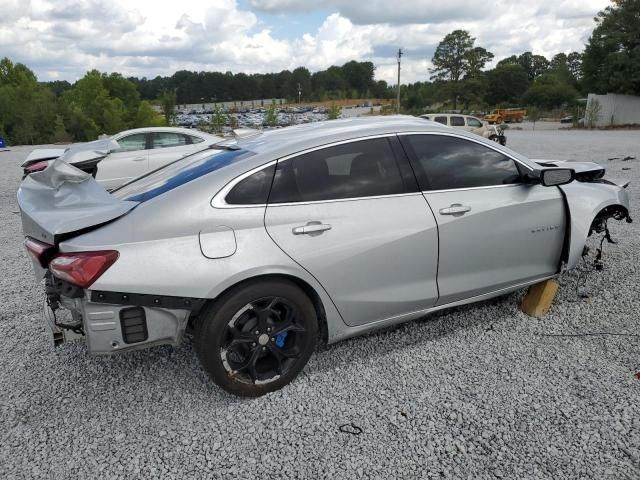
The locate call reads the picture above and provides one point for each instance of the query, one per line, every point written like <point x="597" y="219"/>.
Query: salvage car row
<point x="265" y="244"/>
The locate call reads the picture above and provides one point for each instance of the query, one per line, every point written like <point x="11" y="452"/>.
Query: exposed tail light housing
<point x="36" y="166"/>
<point x="40" y="251"/>
<point x="82" y="268"/>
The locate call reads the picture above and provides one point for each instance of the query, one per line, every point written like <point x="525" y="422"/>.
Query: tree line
<point x="101" y="103"/>
<point x="610" y="63"/>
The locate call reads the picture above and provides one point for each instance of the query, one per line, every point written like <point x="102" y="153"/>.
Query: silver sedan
<point x="266" y="245"/>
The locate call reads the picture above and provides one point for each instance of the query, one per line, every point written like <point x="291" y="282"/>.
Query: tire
<point x="256" y="338"/>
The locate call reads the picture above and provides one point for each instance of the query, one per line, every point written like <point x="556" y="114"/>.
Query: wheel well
<point x="304" y="286"/>
<point x="618" y="212"/>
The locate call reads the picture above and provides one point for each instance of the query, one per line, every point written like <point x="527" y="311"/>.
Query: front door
<point x="495" y="230"/>
<point x="351" y="216"/>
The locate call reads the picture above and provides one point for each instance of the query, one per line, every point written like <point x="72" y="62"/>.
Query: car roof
<point x="310" y="135"/>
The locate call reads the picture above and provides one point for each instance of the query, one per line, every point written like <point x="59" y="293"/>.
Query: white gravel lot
<point x="477" y="392"/>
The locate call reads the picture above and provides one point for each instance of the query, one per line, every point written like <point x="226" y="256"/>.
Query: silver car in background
<point x="265" y="245"/>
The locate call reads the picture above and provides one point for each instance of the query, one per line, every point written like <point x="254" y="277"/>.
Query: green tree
<point x="549" y="91"/>
<point x="271" y="118"/>
<point x="611" y="60"/>
<point x="218" y="120"/>
<point x="592" y="112"/>
<point x="533" y="114"/>
<point x="27" y="109"/>
<point x="574" y="64"/>
<point x="146" y="116"/>
<point x="456" y="58"/>
<point x="168" y="105"/>
<point x="506" y="84"/>
<point x="334" y="112"/>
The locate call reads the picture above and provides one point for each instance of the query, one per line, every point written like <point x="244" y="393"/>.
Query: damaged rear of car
<point x="58" y="203"/>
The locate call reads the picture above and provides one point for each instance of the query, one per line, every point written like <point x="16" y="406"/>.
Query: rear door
<point x="124" y="164"/>
<point x="169" y="146"/>
<point x="495" y="231"/>
<point x="351" y="214"/>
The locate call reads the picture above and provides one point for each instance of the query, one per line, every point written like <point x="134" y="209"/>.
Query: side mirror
<point x="552" y="177"/>
<point x="557" y="176"/>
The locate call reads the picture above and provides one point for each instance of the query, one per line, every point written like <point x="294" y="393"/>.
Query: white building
<point x="616" y="109"/>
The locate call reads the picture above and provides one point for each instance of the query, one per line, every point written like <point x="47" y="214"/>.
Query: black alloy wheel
<point x="256" y="338"/>
<point x="262" y="340"/>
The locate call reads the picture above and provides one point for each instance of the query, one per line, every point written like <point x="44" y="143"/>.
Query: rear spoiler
<point x="61" y="200"/>
<point x="40" y="154"/>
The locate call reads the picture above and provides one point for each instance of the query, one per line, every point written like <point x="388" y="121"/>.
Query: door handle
<point x="139" y="159"/>
<point x="311" y="227"/>
<point x="455" y="209"/>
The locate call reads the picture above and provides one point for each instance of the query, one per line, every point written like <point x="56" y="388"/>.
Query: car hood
<point x="63" y="199"/>
<point x="578" y="167"/>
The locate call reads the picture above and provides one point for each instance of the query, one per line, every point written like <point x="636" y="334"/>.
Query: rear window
<point x="178" y="173"/>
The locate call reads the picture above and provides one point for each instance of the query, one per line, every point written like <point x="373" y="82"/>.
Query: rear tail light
<point x="82" y="268"/>
<point x="40" y="251"/>
<point x="36" y="167"/>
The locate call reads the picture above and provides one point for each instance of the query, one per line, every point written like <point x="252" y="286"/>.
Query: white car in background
<point x="116" y="160"/>
<point x="470" y="124"/>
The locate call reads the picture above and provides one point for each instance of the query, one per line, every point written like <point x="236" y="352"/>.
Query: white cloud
<point x="65" y="38"/>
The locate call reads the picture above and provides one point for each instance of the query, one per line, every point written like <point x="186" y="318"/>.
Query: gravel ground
<point x="477" y="392"/>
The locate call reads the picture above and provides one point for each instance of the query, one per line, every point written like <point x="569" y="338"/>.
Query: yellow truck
<point x="505" y="115"/>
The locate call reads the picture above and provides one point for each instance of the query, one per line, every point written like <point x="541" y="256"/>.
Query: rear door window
<point x="442" y="120"/>
<point x="444" y="162"/>
<point x="168" y="140"/>
<point x="352" y="170"/>
<point x="253" y="190"/>
<point x="457" y="121"/>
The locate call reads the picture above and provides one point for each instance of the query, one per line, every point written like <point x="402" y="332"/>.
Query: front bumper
<point x="107" y="328"/>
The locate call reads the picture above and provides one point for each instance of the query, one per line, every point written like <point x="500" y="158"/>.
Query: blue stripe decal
<point x="210" y="164"/>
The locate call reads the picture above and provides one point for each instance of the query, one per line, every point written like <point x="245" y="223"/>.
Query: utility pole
<point x="299" y="93"/>
<point x="399" y="57"/>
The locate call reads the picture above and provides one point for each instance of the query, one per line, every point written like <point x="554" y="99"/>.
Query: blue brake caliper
<point x="280" y="339"/>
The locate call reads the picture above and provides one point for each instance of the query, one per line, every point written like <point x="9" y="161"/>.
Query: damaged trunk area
<point x="63" y="201"/>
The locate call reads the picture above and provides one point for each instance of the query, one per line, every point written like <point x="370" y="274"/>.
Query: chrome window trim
<point x="351" y="199"/>
<point x="219" y="200"/>
<point x="445" y="190"/>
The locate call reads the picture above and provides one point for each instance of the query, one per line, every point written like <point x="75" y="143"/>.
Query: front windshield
<point x="178" y="173"/>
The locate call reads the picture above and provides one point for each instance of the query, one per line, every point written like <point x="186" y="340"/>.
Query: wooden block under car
<point x="539" y="297"/>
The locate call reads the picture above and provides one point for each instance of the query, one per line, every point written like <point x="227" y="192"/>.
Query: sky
<point x="62" y="39"/>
